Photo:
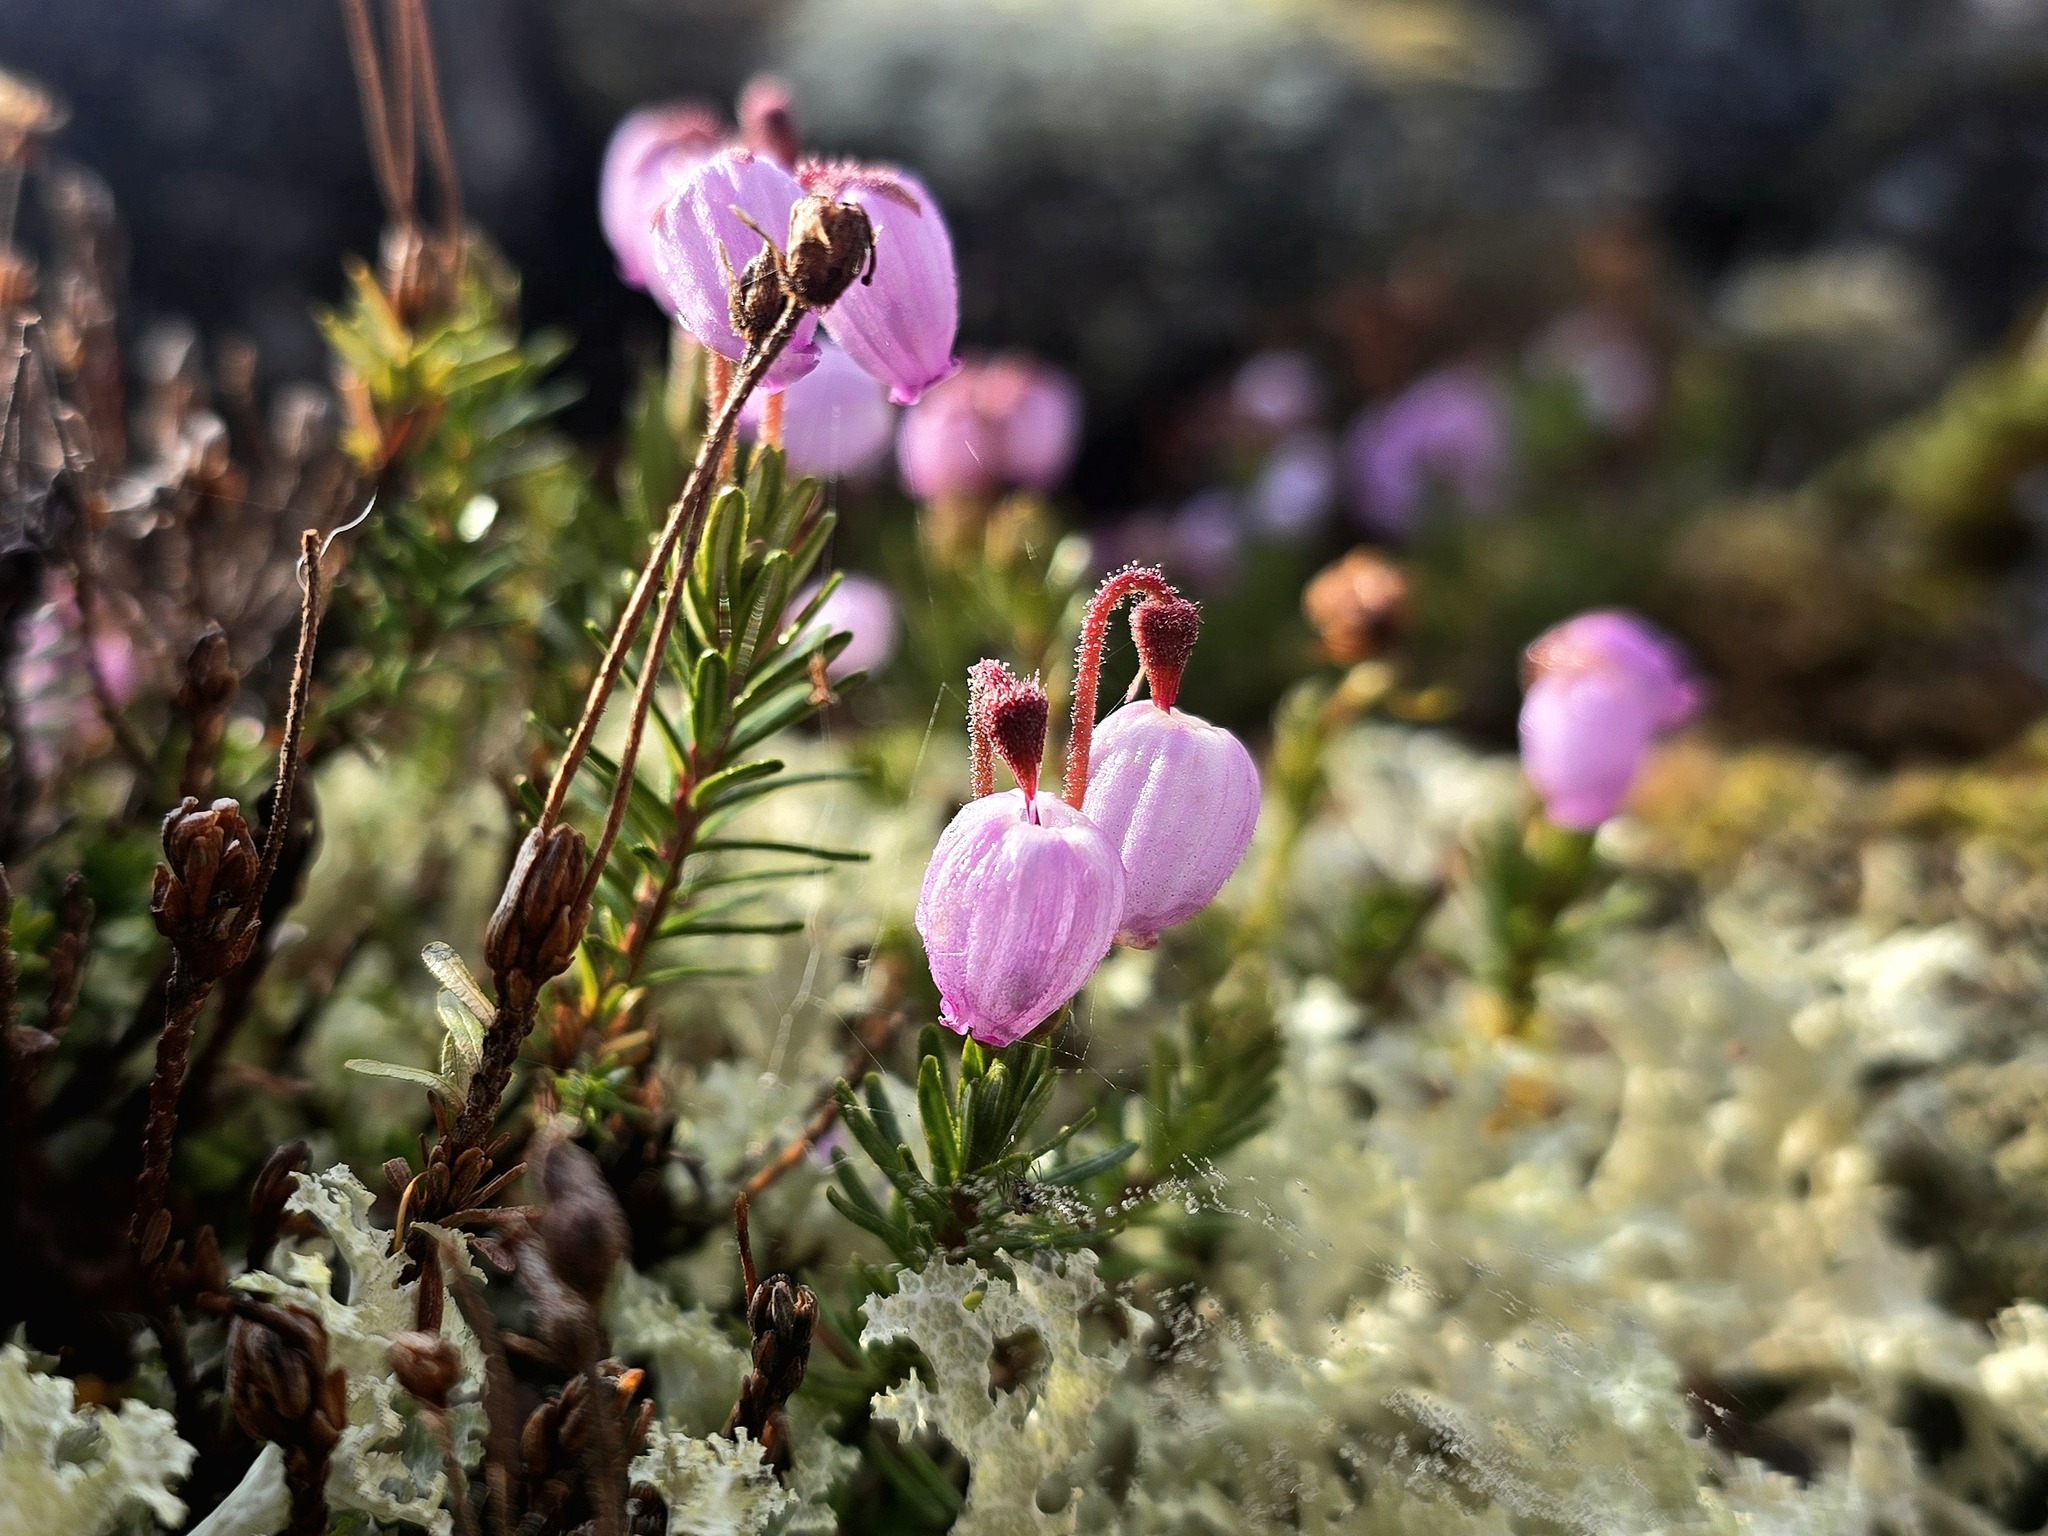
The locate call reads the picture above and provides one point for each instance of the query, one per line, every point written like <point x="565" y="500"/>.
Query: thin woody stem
<point x="362" y="52"/>
<point x="870" y="1041"/>
<point x="404" y="145"/>
<point x="435" y="123"/>
<point x="186" y="994"/>
<point x="1088" y="664"/>
<point x="685" y="526"/>
<point x="286" y="788"/>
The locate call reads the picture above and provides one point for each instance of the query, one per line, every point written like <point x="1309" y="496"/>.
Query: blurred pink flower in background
<point x="1295" y="487"/>
<point x="1206" y="540"/>
<point x="1614" y="373"/>
<point x="836" y="420"/>
<point x="651" y="154"/>
<point x="864" y="608"/>
<point x="768" y="121"/>
<point x="59" y="714"/>
<point x="1602" y="688"/>
<point x="1279" y="391"/>
<point x="1007" y="421"/>
<point x="1448" y="432"/>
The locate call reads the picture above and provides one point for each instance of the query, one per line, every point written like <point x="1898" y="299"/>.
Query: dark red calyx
<point x="1014" y="712"/>
<point x="1165" y="629"/>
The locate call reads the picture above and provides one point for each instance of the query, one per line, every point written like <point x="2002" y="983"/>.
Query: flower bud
<point x="1164" y="631"/>
<point x="207" y="878"/>
<point x="901" y="325"/>
<point x="831" y="246"/>
<point x="1602" y="688"/>
<point x="1012" y="712"/>
<point x="539" y="920"/>
<point x="581" y="1227"/>
<point x="1357" y="607"/>
<point x="1020" y="902"/>
<point x="1178" y="798"/>
<point x="278" y="1383"/>
<point x="702" y="241"/>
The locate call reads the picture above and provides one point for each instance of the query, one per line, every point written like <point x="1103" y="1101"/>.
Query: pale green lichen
<point x="386" y="1466"/>
<point x="696" y="1369"/>
<point x="712" y="1486"/>
<point x="82" y="1471"/>
<point x="1019" y="1442"/>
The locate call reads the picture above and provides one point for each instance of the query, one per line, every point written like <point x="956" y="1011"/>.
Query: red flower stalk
<point x="1152" y="583"/>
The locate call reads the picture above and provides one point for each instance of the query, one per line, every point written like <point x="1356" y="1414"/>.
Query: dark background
<point x="1140" y="190"/>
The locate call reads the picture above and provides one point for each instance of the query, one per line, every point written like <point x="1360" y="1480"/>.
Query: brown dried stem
<point x="685" y="526"/>
<point x="1130" y="581"/>
<point x="192" y="976"/>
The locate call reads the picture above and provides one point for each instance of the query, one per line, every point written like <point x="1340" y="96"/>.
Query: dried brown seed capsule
<point x="1358" y="607"/>
<point x="427" y="1366"/>
<point x="757" y="297"/>
<point x="830" y="246"/>
<point x="279" y="1386"/>
<point x="581" y="1228"/>
<point x="207" y="877"/>
<point x="540" y="920"/>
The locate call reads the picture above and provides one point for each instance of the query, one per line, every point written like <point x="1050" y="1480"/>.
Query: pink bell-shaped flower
<point x="1613" y="640"/>
<point x="900" y="326"/>
<point x="701" y="240"/>
<point x="768" y="121"/>
<point x="651" y="154"/>
<point x="865" y="609"/>
<point x="1023" y="894"/>
<point x="1178" y="796"/>
<point x="1602" y="688"/>
<point x="1009" y="420"/>
<point x="837" y="421"/>
<point x="1450" y="432"/>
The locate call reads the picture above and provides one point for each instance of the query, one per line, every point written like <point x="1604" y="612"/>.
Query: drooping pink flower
<point x="1020" y="903"/>
<point x="1004" y="421"/>
<point x="701" y="240"/>
<point x="900" y="325"/>
<point x="768" y="121"/>
<point x="651" y="154"/>
<point x="865" y="609"/>
<point x="1278" y="391"/>
<point x="1615" y="640"/>
<point x="1023" y="894"/>
<point x="1294" y="489"/>
<point x="1208" y="539"/>
<point x="1179" y="797"/>
<point x="836" y="420"/>
<point x="1601" y="688"/>
<point x="1448" y="433"/>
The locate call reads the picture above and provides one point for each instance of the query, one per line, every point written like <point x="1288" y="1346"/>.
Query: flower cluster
<point x="685" y="207"/>
<point x="1601" y="688"/>
<point x="1025" y="893"/>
